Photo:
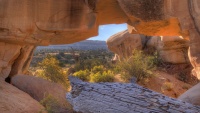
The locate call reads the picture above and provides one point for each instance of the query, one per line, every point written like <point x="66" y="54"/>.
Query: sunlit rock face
<point x="170" y="49"/>
<point x="45" y="22"/>
<point x="123" y="43"/>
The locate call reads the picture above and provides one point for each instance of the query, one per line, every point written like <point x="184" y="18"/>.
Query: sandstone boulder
<point x="123" y="43"/>
<point x="39" y="88"/>
<point x="170" y="49"/>
<point x="192" y="95"/>
<point x="13" y="100"/>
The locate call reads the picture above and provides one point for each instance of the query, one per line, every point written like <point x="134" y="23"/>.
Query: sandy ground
<point x="163" y="83"/>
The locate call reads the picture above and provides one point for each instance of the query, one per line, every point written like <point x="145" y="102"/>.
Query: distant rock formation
<point x="170" y="49"/>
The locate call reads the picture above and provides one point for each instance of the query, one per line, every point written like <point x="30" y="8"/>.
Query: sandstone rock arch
<point x="25" y="24"/>
<point x="45" y="22"/>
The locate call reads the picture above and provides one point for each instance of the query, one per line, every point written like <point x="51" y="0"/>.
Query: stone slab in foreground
<point x="122" y="98"/>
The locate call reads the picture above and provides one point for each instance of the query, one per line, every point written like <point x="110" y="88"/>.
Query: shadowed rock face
<point x="39" y="89"/>
<point x="13" y="100"/>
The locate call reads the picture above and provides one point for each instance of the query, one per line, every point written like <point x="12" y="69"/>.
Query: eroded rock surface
<point x="170" y="49"/>
<point x="44" y="22"/>
<point x="122" y="98"/>
<point x="123" y="43"/>
<point x="13" y="100"/>
<point x="14" y="58"/>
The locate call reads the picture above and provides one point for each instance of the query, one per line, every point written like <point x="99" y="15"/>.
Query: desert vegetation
<point x="95" y="66"/>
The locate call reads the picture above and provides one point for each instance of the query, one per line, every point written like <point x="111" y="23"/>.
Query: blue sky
<point x="105" y="31"/>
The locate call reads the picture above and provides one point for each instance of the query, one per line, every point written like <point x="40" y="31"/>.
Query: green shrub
<point x="106" y="76"/>
<point x="50" y="103"/>
<point x="138" y="65"/>
<point x="97" y="69"/>
<point x="87" y="64"/>
<point x="53" y="72"/>
<point x="83" y="75"/>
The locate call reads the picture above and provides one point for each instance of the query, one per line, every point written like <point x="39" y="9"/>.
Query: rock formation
<point x="12" y="100"/>
<point x="39" y="88"/>
<point x="192" y="95"/>
<point x="171" y="49"/>
<point x="41" y="22"/>
<point x="122" y="98"/>
<point x="25" y="24"/>
<point x="124" y="43"/>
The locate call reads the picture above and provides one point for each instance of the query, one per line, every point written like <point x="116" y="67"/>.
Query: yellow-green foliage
<point x="50" y="103"/>
<point x="83" y="75"/>
<point x="138" y="65"/>
<point x="53" y="72"/>
<point x="106" y="76"/>
<point x="97" y="69"/>
<point x="97" y="74"/>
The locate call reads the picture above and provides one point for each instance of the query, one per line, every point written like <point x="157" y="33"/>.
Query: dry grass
<point x="167" y="86"/>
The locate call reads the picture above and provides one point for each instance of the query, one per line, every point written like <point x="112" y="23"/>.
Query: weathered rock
<point x="38" y="88"/>
<point x="12" y="100"/>
<point x="170" y="49"/>
<point x="56" y="22"/>
<point x="192" y="95"/>
<point x="122" y="98"/>
<point x="14" y="58"/>
<point x="44" y="22"/>
<point x="123" y="43"/>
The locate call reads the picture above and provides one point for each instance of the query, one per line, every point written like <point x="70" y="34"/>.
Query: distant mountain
<point x="83" y="45"/>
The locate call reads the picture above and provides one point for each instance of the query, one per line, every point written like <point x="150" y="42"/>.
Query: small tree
<point x="138" y="65"/>
<point x="83" y="75"/>
<point x="105" y="76"/>
<point x="52" y="71"/>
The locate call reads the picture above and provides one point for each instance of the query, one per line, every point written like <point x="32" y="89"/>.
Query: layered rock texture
<point x="44" y="22"/>
<point x="123" y="43"/>
<point x="122" y="98"/>
<point x="170" y="49"/>
<point x="14" y="58"/>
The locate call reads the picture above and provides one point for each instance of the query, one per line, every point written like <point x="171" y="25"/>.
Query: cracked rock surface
<point x="122" y="98"/>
